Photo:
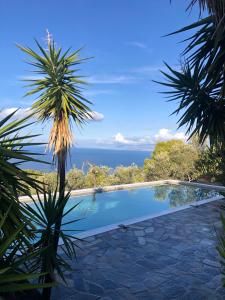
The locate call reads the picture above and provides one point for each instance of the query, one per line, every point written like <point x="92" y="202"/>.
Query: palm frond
<point x="58" y="91"/>
<point x="15" y="181"/>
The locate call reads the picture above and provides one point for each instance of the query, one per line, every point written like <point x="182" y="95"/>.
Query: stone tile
<point x="169" y="257"/>
<point x="149" y="229"/>
<point x="212" y="263"/>
<point x="139" y="233"/>
<point x="141" y="241"/>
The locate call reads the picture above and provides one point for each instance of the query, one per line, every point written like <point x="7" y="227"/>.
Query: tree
<point x="158" y="167"/>
<point x="13" y="179"/>
<point x="97" y="176"/>
<point x="172" y="159"/>
<point x="75" y="179"/>
<point x="130" y="174"/>
<point x="60" y="100"/>
<point x="211" y="164"/>
<point x="199" y="84"/>
<point x="165" y="146"/>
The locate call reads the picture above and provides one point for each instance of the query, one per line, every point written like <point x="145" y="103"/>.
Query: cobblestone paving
<point x="168" y="257"/>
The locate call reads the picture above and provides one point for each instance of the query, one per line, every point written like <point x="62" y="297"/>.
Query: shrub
<point x="158" y="167"/>
<point x="131" y="174"/>
<point x="97" y="176"/>
<point x="75" y="179"/>
<point x="172" y="159"/>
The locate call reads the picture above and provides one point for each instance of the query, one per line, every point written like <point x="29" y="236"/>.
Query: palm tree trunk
<point x="62" y="180"/>
<point x="46" y="295"/>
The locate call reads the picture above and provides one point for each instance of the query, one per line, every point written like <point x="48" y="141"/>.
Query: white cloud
<point x="141" y="142"/>
<point x="119" y="138"/>
<point x="31" y="77"/>
<point x="21" y="113"/>
<point x="111" y="79"/>
<point x="97" y="92"/>
<point x="148" y="69"/>
<point x="137" y="44"/>
<point x="96" y="116"/>
<point x="165" y="134"/>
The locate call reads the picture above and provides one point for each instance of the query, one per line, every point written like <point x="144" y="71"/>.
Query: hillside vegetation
<point x="172" y="159"/>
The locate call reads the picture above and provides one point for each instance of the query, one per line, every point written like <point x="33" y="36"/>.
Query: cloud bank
<point x="141" y="142"/>
<point x="24" y="112"/>
<point x="21" y="113"/>
<point x="96" y="116"/>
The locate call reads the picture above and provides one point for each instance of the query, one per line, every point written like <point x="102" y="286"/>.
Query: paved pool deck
<point x="168" y="257"/>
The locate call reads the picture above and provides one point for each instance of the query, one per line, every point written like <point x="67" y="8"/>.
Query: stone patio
<point x="168" y="257"/>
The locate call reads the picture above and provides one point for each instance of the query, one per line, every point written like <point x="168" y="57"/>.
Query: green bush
<point x="131" y="174"/>
<point x="75" y="179"/>
<point x="97" y="176"/>
<point x="211" y="164"/>
<point x="158" y="167"/>
<point x="172" y="159"/>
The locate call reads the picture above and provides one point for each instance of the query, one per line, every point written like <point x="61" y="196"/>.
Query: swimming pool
<point x="99" y="210"/>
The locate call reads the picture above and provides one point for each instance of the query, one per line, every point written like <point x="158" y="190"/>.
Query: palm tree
<point x="199" y="84"/>
<point x="14" y="181"/>
<point x="60" y="100"/>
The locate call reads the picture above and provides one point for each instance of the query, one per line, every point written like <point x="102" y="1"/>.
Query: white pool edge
<point x="110" y="188"/>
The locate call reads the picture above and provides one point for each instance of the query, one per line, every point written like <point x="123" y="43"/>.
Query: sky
<point x="126" y="43"/>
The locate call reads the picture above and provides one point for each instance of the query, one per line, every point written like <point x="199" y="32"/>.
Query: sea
<point x="81" y="157"/>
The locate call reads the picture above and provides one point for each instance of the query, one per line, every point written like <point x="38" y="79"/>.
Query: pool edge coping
<point x="82" y="192"/>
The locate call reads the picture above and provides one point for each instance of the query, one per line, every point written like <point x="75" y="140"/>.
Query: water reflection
<point x="181" y="195"/>
<point x="94" y="204"/>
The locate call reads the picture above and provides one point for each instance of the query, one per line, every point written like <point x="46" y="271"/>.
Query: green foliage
<point x="50" y="180"/>
<point x="97" y="176"/>
<point x="15" y="261"/>
<point x="158" y="167"/>
<point x="172" y="159"/>
<point x="60" y="100"/>
<point x="175" y="160"/>
<point x="131" y="174"/>
<point x="58" y="92"/>
<point x="14" y="149"/>
<point x="199" y="84"/>
<point x="165" y="146"/>
<point x="75" y="179"/>
<point x="211" y="164"/>
<point x="44" y="214"/>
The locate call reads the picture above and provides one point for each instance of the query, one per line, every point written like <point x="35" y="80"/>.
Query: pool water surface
<point x="106" y="208"/>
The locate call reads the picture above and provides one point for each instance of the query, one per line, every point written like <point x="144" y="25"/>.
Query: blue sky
<point x="125" y="39"/>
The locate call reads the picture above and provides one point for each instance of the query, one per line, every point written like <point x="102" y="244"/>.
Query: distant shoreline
<point x="105" y="149"/>
<point x="80" y="156"/>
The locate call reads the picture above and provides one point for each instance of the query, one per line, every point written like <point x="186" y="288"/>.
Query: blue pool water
<point x="108" y="208"/>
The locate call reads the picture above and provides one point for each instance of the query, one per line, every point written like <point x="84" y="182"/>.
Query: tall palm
<point x="60" y="100"/>
<point x="199" y="84"/>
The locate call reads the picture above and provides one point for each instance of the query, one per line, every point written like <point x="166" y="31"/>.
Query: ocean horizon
<point x="80" y="157"/>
